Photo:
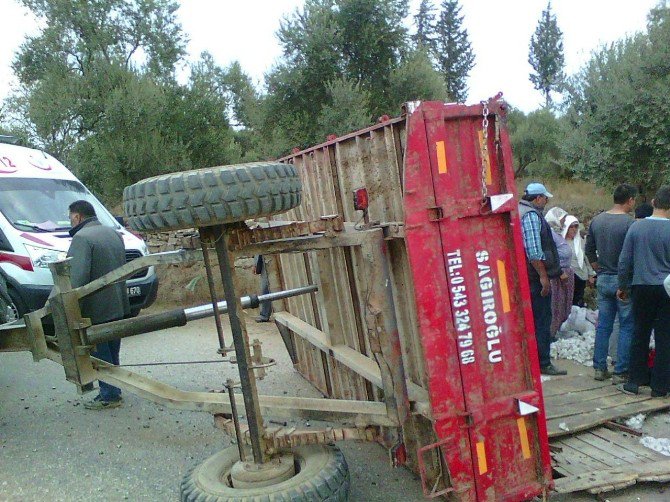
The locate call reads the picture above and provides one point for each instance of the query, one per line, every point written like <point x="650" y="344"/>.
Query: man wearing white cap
<point x="543" y="264"/>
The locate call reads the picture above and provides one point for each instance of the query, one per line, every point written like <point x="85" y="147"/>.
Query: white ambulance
<point x="35" y="192"/>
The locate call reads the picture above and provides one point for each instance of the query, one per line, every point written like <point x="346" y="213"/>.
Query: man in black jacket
<point x="96" y="250"/>
<point x="543" y="264"/>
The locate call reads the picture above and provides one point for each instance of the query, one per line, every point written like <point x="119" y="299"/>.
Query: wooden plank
<point x="351" y="359"/>
<point x="568" y="462"/>
<point x="580" y="442"/>
<point x="614" y="448"/>
<point x="574" y="453"/>
<point x="617" y="400"/>
<point x="590" y="420"/>
<point x="630" y="443"/>
<point x="571" y="383"/>
<point x="608" y="479"/>
<point x="582" y="396"/>
<point x="403" y="299"/>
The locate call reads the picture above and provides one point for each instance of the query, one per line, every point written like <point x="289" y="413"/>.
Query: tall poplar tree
<point x="546" y="56"/>
<point x="453" y="51"/>
<point x="424" y="38"/>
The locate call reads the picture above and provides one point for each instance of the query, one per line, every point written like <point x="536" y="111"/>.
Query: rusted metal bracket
<point x="328" y="225"/>
<point x="70" y="329"/>
<point x="433" y="491"/>
<point x="277" y="438"/>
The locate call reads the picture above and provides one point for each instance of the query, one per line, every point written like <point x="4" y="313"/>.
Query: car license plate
<point x="134" y="291"/>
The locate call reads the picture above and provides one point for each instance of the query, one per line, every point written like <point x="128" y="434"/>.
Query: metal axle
<point x="179" y="317"/>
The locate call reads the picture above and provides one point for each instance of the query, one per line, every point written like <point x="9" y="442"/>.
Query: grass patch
<point x="582" y="199"/>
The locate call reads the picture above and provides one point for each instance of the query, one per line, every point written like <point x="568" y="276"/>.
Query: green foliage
<point x="346" y="110"/>
<point x="345" y="60"/>
<point x="98" y="87"/>
<point x="78" y="33"/>
<point x="536" y="140"/>
<point x="416" y="79"/>
<point x="373" y="38"/>
<point x="424" y="38"/>
<point x="546" y="56"/>
<point x="619" y="114"/>
<point x="98" y="91"/>
<point x="453" y="51"/>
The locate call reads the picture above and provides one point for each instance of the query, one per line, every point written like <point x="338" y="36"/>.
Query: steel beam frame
<point x="82" y="369"/>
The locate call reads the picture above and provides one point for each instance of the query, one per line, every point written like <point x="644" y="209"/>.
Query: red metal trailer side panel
<point x="473" y="302"/>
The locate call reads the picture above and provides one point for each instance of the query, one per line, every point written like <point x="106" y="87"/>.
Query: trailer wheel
<point x="212" y="196"/>
<point x="321" y="475"/>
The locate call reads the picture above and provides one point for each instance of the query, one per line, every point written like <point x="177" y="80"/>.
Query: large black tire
<point x="212" y="196"/>
<point x="322" y="474"/>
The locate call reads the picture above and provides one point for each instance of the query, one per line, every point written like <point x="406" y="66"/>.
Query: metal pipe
<point x="241" y="342"/>
<point x="154" y="322"/>
<point x="230" y="385"/>
<point x="212" y="294"/>
<point x="203" y="311"/>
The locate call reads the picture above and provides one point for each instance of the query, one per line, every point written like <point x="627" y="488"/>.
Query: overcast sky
<point x="499" y="31"/>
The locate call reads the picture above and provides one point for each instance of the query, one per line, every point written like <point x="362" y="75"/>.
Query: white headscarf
<point x="554" y="216"/>
<point x="577" y="242"/>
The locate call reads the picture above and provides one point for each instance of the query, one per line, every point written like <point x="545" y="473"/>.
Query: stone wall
<point x="186" y="284"/>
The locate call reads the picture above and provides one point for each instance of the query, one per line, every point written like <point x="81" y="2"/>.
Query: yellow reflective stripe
<point x="481" y="458"/>
<point x="504" y="290"/>
<point x="441" y="157"/>
<point x="487" y="160"/>
<point x="523" y="435"/>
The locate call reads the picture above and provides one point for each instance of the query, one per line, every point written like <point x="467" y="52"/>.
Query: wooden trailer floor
<point x="602" y="460"/>
<point x="577" y="402"/>
<point x="589" y="451"/>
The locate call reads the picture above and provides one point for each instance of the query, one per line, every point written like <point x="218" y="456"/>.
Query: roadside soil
<point x="51" y="448"/>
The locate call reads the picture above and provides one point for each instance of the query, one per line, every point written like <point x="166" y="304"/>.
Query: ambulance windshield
<point x="41" y="205"/>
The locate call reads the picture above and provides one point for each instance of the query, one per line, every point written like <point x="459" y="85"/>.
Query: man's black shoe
<point x="552" y="370"/>
<point x="655" y="393"/>
<point x="629" y="388"/>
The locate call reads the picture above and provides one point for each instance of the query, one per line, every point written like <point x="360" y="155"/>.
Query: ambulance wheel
<point x="321" y="474"/>
<point x="16" y="309"/>
<point x="211" y="196"/>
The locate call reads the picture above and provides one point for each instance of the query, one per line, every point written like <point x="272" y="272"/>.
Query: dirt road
<point x="51" y="448"/>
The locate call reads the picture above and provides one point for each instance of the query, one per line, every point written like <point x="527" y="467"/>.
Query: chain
<point x="485" y="147"/>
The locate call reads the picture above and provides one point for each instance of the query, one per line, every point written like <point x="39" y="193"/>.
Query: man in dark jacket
<point x="543" y="264"/>
<point x="96" y="250"/>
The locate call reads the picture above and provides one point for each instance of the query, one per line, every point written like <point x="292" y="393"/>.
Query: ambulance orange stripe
<point x="523" y="435"/>
<point x="504" y="290"/>
<point x="441" y="157"/>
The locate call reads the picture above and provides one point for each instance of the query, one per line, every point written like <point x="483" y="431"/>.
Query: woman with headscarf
<point x="563" y="287"/>
<point x="583" y="272"/>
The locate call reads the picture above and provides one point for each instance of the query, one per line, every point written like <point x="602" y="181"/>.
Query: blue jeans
<point x="542" y="320"/>
<point x="608" y="307"/>
<point x="108" y="352"/>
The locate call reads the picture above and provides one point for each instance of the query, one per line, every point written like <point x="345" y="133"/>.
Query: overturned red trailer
<point x="439" y="180"/>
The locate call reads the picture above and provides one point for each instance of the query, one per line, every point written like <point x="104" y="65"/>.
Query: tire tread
<point x="211" y="196"/>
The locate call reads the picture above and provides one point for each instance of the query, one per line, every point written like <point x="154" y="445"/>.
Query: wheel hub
<point x="272" y="472"/>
